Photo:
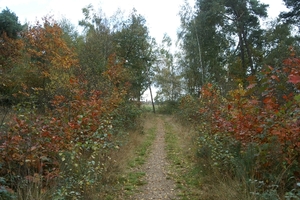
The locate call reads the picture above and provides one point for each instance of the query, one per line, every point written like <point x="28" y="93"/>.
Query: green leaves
<point x="260" y="123"/>
<point x="9" y="24"/>
<point x="134" y="48"/>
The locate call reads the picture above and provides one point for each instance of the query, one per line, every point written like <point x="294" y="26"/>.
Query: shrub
<point x="168" y="107"/>
<point x="253" y="134"/>
<point x="65" y="150"/>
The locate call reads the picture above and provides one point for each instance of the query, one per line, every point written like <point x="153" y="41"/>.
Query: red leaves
<point x="229" y="107"/>
<point x="78" y="117"/>
<point x="294" y="78"/>
<point x="275" y="77"/>
<point x="268" y="116"/>
<point x="251" y="86"/>
<point x="292" y="69"/>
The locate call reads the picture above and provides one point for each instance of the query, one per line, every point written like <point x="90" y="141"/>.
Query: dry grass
<point x="192" y="180"/>
<point x="135" y="138"/>
<point x="215" y="185"/>
<point x="118" y="164"/>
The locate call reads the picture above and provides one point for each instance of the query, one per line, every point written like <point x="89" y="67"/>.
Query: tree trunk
<point x="152" y="99"/>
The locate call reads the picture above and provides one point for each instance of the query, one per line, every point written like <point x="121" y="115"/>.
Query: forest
<point x="69" y="99"/>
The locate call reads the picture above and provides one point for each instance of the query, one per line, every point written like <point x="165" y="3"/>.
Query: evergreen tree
<point x="221" y="38"/>
<point x="9" y="24"/>
<point x="293" y="16"/>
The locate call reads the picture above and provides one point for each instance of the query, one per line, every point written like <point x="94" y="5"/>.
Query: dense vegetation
<point x="68" y="98"/>
<point x="247" y="108"/>
<point x="67" y="101"/>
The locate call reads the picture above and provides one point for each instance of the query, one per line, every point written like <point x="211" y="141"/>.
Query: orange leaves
<point x="78" y="119"/>
<point x="292" y="68"/>
<point x="115" y="72"/>
<point x="266" y="115"/>
<point x="49" y="56"/>
<point x="10" y="51"/>
<point x="270" y="103"/>
<point x="207" y="91"/>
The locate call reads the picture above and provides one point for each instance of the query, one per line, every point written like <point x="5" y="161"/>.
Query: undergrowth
<point x="180" y="151"/>
<point x="131" y="157"/>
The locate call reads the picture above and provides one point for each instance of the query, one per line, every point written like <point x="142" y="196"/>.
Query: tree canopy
<point x="9" y="24"/>
<point x="293" y="15"/>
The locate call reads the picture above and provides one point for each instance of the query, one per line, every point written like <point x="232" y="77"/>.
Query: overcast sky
<point x="161" y="15"/>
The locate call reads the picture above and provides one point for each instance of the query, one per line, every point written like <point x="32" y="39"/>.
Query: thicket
<point x="252" y="132"/>
<point x="62" y="116"/>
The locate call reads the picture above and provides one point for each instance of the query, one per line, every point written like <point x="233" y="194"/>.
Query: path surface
<point x="158" y="186"/>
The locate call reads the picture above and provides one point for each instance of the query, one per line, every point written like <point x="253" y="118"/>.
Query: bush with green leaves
<point x="168" y="107"/>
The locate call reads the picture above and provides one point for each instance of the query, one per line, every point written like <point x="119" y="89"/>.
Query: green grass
<point x="130" y="179"/>
<point x="143" y="150"/>
<point x="191" y="177"/>
<point x="147" y="107"/>
<point x="185" y="173"/>
<point x="135" y="179"/>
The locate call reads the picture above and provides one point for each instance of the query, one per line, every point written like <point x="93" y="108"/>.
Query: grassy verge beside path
<point x="181" y="153"/>
<point x="131" y="157"/>
<point x="194" y="179"/>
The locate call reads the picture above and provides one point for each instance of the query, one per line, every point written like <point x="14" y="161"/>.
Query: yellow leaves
<point x="238" y="93"/>
<point x="45" y="74"/>
<point x="47" y="44"/>
<point x="49" y="56"/>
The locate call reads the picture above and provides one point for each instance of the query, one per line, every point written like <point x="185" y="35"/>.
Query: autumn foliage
<point x="61" y="130"/>
<point x="264" y="118"/>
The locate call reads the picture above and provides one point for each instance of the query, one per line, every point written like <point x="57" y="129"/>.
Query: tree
<point x="10" y="60"/>
<point x="204" y="45"/>
<point x="242" y="19"/>
<point x="9" y="24"/>
<point x="191" y="59"/>
<point x="293" y="16"/>
<point x="96" y="47"/>
<point x="278" y="38"/>
<point x="133" y="45"/>
<point x="221" y="38"/>
<point x="50" y="60"/>
<point x="70" y="34"/>
<point x="10" y="54"/>
<point x="167" y="78"/>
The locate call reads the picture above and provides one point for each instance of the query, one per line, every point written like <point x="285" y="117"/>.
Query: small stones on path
<point x="159" y="185"/>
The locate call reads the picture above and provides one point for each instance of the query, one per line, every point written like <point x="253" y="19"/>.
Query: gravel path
<point x="158" y="186"/>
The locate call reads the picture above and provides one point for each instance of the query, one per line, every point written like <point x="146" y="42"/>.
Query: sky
<point x="161" y="15"/>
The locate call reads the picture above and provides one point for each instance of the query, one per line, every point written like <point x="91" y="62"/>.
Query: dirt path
<point x="159" y="185"/>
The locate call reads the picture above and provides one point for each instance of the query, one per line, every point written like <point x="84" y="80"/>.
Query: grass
<point x="143" y="149"/>
<point x="132" y="180"/>
<point x="180" y="152"/>
<point x="147" y="107"/>
<point x="131" y="156"/>
<point x="192" y="178"/>
<point x="5" y="115"/>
